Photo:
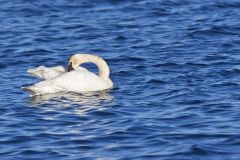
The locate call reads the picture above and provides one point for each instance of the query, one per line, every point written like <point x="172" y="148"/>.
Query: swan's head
<point x="77" y="59"/>
<point x="74" y="62"/>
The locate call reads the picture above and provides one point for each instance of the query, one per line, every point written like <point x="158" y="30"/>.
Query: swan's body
<point x="77" y="80"/>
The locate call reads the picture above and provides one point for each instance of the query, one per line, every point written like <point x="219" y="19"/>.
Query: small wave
<point x="213" y="31"/>
<point x="191" y="102"/>
<point x="227" y="4"/>
<point x="2" y="66"/>
<point x="235" y="140"/>
<point x="167" y="64"/>
<point x="155" y="81"/>
<point x="230" y="72"/>
<point x="225" y="84"/>
<point x="123" y="73"/>
<point x="121" y="38"/>
<point x="126" y="59"/>
<point x="204" y="150"/>
<point x="214" y="57"/>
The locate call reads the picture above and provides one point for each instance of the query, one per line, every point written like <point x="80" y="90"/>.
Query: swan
<point x="76" y="79"/>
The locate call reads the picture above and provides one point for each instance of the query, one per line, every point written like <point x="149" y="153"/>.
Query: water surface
<point x="175" y="67"/>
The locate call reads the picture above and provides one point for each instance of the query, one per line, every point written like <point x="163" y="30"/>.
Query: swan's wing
<point x="45" y="73"/>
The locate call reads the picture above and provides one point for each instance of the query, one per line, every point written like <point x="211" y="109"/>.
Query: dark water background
<point x="175" y="65"/>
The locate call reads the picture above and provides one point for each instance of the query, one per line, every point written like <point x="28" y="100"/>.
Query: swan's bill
<point x="70" y="67"/>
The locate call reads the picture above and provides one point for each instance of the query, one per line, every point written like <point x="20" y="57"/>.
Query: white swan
<point x="77" y="79"/>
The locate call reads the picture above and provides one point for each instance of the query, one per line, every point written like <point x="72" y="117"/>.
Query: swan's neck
<point x="103" y="68"/>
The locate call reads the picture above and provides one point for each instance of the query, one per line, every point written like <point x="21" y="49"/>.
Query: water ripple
<point x="175" y="68"/>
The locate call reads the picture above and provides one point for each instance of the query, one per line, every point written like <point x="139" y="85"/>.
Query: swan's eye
<point x="70" y="67"/>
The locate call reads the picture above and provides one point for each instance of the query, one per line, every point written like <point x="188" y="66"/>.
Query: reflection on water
<point x="175" y="65"/>
<point x="86" y="100"/>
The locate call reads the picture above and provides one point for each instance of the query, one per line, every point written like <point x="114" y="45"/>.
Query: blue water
<point x="175" y="65"/>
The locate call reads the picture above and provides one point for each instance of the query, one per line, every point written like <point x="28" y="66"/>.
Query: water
<point x="175" y="67"/>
